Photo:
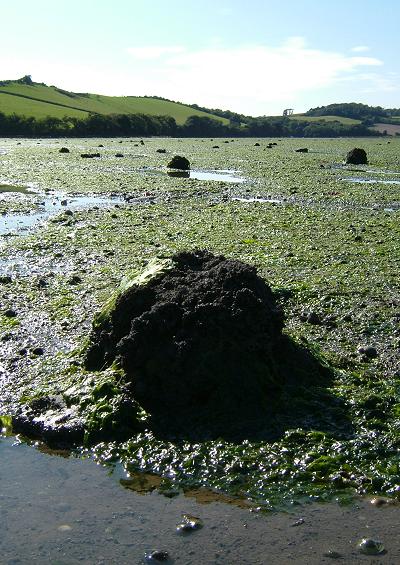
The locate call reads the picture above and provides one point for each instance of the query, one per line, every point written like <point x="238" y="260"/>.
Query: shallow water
<point x="366" y="180"/>
<point x="221" y="175"/>
<point x="259" y="199"/>
<point x="64" y="510"/>
<point x="49" y="206"/>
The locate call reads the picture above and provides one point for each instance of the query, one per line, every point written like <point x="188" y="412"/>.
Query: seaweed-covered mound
<point x="179" y="162"/>
<point x="195" y="335"/>
<point x="357" y="156"/>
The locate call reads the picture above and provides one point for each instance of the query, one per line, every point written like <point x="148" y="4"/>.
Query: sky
<point x="255" y="57"/>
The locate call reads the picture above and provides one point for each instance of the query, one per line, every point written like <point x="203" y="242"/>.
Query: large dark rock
<point x="199" y="338"/>
<point x="196" y="335"/>
<point x="178" y="162"/>
<point x="357" y="156"/>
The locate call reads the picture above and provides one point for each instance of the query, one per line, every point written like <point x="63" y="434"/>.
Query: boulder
<point x="357" y="156"/>
<point x="64" y="150"/>
<point x="179" y="162"/>
<point x="195" y="335"/>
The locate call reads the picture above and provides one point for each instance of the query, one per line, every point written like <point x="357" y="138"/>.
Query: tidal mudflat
<point x="327" y="245"/>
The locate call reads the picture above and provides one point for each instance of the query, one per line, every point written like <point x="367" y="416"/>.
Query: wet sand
<point x="66" y="511"/>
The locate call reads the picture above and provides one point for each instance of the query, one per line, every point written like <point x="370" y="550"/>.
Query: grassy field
<point x="39" y="101"/>
<point x="343" y="120"/>
<point x="326" y="238"/>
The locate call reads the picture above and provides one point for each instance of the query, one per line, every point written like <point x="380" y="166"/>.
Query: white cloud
<point x="360" y="48"/>
<point x="249" y="78"/>
<point x="154" y="51"/>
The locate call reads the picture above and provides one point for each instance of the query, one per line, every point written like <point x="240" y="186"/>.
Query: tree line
<point x="367" y="114"/>
<point x="99" y="125"/>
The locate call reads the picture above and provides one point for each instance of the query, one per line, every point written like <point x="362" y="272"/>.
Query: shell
<point x="369" y="546"/>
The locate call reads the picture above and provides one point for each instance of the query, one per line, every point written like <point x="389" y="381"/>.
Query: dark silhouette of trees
<point x="113" y="125"/>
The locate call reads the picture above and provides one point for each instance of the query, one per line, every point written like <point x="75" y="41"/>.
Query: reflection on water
<point x="221" y="175"/>
<point x="259" y="199"/>
<point x="179" y="174"/>
<point x="367" y="180"/>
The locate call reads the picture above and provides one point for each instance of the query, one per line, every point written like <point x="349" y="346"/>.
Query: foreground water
<point x="63" y="510"/>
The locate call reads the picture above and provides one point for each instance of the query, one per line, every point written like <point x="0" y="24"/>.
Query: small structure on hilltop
<point x="288" y="112"/>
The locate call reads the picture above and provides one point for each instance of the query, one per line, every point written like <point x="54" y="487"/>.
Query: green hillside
<point x="341" y="119"/>
<point x="39" y="100"/>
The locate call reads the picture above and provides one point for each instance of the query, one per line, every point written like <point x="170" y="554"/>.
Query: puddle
<point x="377" y="172"/>
<point x="366" y="180"/>
<point x="259" y="199"/>
<point x="50" y="206"/>
<point x="222" y="175"/>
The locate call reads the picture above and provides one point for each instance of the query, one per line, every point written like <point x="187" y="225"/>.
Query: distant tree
<point x="27" y="79"/>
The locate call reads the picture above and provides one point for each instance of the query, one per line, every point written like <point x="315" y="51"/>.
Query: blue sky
<point x="256" y="56"/>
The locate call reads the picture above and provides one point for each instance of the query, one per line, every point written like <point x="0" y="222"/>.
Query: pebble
<point x="311" y="317"/>
<point x="298" y="522"/>
<point x="369" y="546"/>
<point x="369" y="351"/>
<point x="189" y="523"/>
<point x="37" y="351"/>
<point x="10" y="313"/>
<point x="332" y="554"/>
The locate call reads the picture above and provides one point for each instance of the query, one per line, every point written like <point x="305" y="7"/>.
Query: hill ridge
<point x="28" y="96"/>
